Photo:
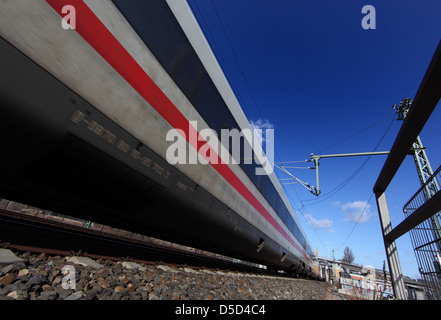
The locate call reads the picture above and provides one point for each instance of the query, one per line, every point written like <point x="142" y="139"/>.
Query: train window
<point x="276" y="207"/>
<point x="189" y="73"/>
<point x="262" y="185"/>
<point x="158" y="28"/>
<point x="271" y="193"/>
<point x="209" y="104"/>
<point x="249" y="170"/>
<point x="283" y="213"/>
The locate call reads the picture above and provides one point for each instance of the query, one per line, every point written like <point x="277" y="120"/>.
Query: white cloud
<point x="324" y="224"/>
<point x="356" y="211"/>
<point x="336" y="203"/>
<point x="262" y="125"/>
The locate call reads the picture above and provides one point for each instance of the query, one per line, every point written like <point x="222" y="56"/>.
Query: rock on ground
<point x="42" y="277"/>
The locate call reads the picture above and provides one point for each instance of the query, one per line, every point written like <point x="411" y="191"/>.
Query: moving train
<point x="90" y="90"/>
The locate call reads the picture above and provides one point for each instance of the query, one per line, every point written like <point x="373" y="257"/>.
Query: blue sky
<point x="313" y="72"/>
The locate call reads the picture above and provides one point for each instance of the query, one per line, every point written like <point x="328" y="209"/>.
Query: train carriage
<point x="84" y="116"/>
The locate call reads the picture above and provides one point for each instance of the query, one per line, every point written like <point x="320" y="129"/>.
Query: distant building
<point x="364" y="282"/>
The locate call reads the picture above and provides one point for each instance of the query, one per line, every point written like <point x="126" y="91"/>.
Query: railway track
<point x="174" y="273"/>
<point x="36" y="234"/>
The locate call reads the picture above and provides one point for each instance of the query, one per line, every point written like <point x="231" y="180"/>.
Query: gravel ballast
<point x="36" y="276"/>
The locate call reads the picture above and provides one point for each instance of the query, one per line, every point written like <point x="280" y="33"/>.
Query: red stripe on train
<point x="92" y="30"/>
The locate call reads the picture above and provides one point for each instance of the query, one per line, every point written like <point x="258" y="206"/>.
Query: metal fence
<point x="426" y="237"/>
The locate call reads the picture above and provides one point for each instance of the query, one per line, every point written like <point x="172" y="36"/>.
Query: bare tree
<point x="348" y="256"/>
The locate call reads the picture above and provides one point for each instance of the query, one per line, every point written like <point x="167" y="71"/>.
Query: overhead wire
<point x="237" y="59"/>
<point x="331" y="193"/>
<point x="367" y="203"/>
<point x="356" y="223"/>
<point x="301" y="209"/>
<point x="351" y="135"/>
<point x="219" y="55"/>
<point x="303" y="212"/>
<point x="261" y="115"/>
<point x="242" y="72"/>
<point x="353" y="175"/>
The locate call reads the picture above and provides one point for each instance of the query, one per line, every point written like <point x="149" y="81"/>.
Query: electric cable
<point x="351" y="135"/>
<point x="352" y="176"/>
<point x="302" y="209"/>
<point x="224" y="65"/>
<point x="237" y="60"/>
<point x="356" y="223"/>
